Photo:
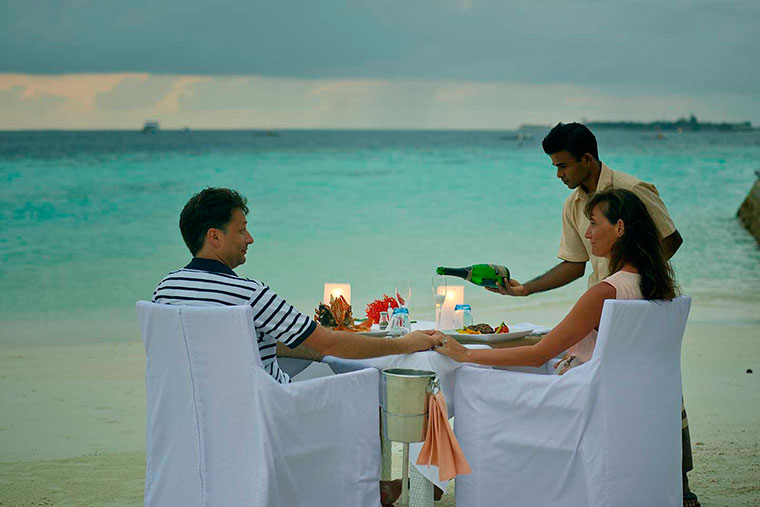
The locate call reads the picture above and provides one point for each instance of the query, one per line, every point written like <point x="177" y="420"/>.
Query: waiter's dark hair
<point x="640" y="243"/>
<point x="211" y="208"/>
<point x="574" y="138"/>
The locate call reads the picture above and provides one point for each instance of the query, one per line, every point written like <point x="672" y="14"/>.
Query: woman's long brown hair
<point x="640" y="244"/>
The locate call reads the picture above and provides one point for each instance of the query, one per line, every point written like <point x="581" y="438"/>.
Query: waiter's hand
<point x="512" y="288"/>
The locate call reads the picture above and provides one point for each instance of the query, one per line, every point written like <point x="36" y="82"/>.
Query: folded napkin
<point x="537" y="330"/>
<point x="441" y="448"/>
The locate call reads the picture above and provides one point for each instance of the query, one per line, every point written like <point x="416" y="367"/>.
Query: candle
<point x="454" y="296"/>
<point x="335" y="290"/>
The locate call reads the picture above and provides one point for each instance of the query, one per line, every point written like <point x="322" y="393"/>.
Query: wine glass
<point x="439" y="296"/>
<point x="403" y="292"/>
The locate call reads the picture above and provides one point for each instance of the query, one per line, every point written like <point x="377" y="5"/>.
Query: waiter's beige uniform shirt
<point x="574" y="246"/>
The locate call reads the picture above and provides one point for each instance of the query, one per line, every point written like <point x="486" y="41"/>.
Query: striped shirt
<point x="208" y="282"/>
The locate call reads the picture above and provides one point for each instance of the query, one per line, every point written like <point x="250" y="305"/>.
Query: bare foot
<point x="390" y="491"/>
<point x="690" y="500"/>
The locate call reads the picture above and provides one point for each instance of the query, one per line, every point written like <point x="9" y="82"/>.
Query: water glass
<point x="400" y="324"/>
<point x="462" y="316"/>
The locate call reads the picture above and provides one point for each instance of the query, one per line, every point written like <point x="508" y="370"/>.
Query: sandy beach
<point x="72" y="425"/>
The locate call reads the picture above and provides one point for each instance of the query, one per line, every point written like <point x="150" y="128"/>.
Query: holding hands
<point x="417" y="341"/>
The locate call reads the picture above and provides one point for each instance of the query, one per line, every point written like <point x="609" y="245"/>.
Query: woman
<point x="621" y="230"/>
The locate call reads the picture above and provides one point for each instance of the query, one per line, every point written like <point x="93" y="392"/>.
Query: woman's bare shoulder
<point x="600" y="291"/>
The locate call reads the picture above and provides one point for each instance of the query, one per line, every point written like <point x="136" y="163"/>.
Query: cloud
<point x="702" y="46"/>
<point x="135" y="92"/>
<point x="78" y="90"/>
<point x="126" y="100"/>
<point x="15" y="98"/>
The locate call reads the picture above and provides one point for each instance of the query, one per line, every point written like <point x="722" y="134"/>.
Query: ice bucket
<point x="404" y="399"/>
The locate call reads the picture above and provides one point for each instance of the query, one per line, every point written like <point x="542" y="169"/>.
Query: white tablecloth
<point x="429" y="360"/>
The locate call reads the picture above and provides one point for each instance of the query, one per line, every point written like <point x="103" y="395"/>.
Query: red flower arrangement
<point x="380" y="305"/>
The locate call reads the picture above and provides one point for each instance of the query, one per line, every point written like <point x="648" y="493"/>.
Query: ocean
<point x="90" y="219"/>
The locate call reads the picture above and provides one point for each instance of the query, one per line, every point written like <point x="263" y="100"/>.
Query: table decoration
<point x="334" y="290"/>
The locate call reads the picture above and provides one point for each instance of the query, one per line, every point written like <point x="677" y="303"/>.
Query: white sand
<point x="72" y="419"/>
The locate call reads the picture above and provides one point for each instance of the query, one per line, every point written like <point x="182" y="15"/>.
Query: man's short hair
<point x="574" y="138"/>
<point x="209" y="208"/>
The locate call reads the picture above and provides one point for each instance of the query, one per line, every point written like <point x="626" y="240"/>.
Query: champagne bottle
<point x="485" y="275"/>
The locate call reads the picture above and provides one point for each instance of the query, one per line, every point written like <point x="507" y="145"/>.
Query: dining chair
<point x="222" y="432"/>
<point x="606" y="433"/>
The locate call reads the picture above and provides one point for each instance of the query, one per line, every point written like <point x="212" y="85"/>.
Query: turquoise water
<point x="89" y="219"/>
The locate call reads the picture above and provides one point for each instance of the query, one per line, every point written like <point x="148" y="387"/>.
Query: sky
<point x="495" y="64"/>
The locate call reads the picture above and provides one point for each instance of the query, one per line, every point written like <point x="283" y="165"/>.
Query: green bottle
<point x="484" y="275"/>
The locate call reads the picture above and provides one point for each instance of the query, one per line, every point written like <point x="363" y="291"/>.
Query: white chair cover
<point x="221" y="431"/>
<point x="607" y="433"/>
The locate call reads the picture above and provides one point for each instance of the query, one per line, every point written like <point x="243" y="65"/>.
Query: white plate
<point x="514" y="333"/>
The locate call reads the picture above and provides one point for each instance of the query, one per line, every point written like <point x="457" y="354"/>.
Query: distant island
<point x="680" y="125"/>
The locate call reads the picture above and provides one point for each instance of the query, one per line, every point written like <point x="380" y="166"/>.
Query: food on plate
<point x="380" y="305"/>
<point x="484" y="329"/>
<point x="480" y="329"/>
<point x="467" y="331"/>
<point x="337" y="315"/>
<point x="503" y="328"/>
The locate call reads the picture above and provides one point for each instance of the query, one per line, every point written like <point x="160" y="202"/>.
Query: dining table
<point x="422" y="477"/>
<point x="306" y="355"/>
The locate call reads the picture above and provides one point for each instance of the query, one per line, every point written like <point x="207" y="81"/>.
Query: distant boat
<point x="266" y="133"/>
<point x="518" y="136"/>
<point x="150" y="127"/>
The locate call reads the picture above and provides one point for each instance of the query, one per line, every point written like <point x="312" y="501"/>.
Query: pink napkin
<point x="441" y="447"/>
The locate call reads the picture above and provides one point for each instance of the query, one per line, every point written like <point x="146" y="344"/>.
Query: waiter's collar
<point x="212" y="265"/>
<point x="605" y="181"/>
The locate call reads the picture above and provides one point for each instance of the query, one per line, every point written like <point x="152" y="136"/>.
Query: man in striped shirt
<point x="214" y="226"/>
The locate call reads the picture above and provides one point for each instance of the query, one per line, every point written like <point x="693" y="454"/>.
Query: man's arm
<point x="659" y="212"/>
<point x="561" y="274"/>
<point x="352" y="346"/>
<point x="671" y="244"/>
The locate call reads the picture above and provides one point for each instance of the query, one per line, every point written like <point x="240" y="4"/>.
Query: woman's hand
<point x="453" y="349"/>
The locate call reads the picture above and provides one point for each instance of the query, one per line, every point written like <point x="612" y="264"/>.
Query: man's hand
<point x="417" y="341"/>
<point x="513" y="288"/>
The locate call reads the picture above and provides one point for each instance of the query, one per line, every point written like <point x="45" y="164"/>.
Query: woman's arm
<point x="584" y="317"/>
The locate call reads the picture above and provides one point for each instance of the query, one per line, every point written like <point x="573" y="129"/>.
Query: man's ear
<point x="212" y="237"/>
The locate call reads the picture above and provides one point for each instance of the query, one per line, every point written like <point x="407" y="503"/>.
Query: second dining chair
<point x="606" y="433"/>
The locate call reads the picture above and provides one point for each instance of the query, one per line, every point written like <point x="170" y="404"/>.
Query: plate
<point x="514" y="333"/>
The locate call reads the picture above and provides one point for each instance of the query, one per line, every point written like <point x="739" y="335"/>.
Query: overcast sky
<point x="378" y="64"/>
